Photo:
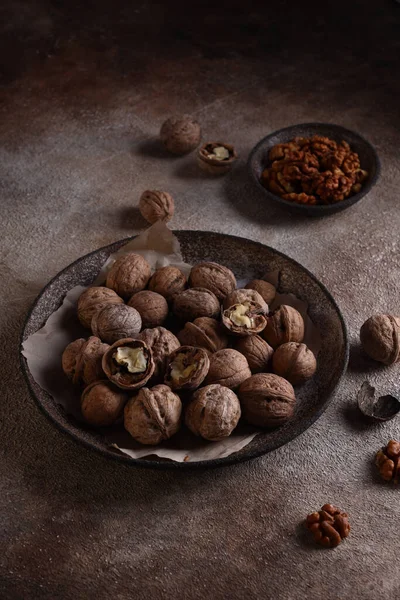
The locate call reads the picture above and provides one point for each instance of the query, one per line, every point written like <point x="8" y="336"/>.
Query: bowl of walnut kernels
<point x="314" y="168"/>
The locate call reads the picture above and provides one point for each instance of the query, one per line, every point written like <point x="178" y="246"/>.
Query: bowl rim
<point x="318" y="209"/>
<point x="168" y="465"/>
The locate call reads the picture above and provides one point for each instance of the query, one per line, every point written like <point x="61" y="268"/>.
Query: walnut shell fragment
<point x="167" y="281"/>
<point x="128" y="364"/>
<point x="284" y="325"/>
<point x="161" y="343"/>
<point x="102" y="404"/>
<point x="216" y="158"/>
<point x="128" y="275"/>
<point x="382" y="408"/>
<point x="152" y="307"/>
<point x="82" y="360"/>
<point x="194" y="303"/>
<point x="228" y="368"/>
<point x="295" y="362"/>
<point x="187" y="368"/>
<point x="241" y="295"/>
<point x="257" y="352"/>
<point x="180" y="135"/>
<point x="213" y="412"/>
<point x="380" y="338"/>
<point x="264" y="288"/>
<point x="214" y="277"/>
<point x="115" y="322"/>
<point x="92" y="300"/>
<point x="153" y="415"/>
<point x="155" y="205"/>
<point x="267" y="400"/>
<point x="205" y="333"/>
<point x="244" y="319"/>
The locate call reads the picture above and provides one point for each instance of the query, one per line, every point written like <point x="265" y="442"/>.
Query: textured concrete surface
<point x="84" y="91"/>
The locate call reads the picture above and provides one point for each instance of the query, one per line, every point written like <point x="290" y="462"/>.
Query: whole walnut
<point x="155" y="205"/>
<point x="167" y="281"/>
<point x="128" y="275"/>
<point x="329" y="526"/>
<point x="102" y="404"/>
<point x="213" y="412"/>
<point x="295" y="362"/>
<point x="380" y="338"/>
<point x="194" y="303"/>
<point x="267" y="400"/>
<point x="81" y="360"/>
<point x="284" y="325"/>
<point x="228" y="368"/>
<point x="116" y="321"/>
<point x="214" y="277"/>
<point x="388" y="462"/>
<point x="128" y="363"/>
<point x="152" y="307"/>
<point x="244" y="319"/>
<point x="187" y="368"/>
<point x="161" y="343"/>
<point x="180" y="135"/>
<point x="264" y="288"/>
<point x="205" y="333"/>
<point x="241" y="295"/>
<point x="153" y="415"/>
<point x="92" y="300"/>
<point x="257" y="352"/>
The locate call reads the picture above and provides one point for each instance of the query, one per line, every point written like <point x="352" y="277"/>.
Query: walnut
<point x="81" y="360"/>
<point x="205" y="333"/>
<point x="128" y="275"/>
<point x="102" y="404"/>
<point x="300" y="198"/>
<point x="194" y="303"/>
<point x="180" y="135"/>
<point x="213" y="412"/>
<point x="295" y="362"/>
<point x="244" y="319"/>
<point x="228" y="368"/>
<point x="155" y="205"/>
<point x="267" y="400"/>
<point x="334" y="186"/>
<point x="264" y="288"/>
<point x="241" y="295"/>
<point x="153" y="415"/>
<point x="92" y="300"/>
<point x="128" y="363"/>
<point x="388" y="462"/>
<point x="167" y="281"/>
<point x="284" y="325"/>
<point x="187" y="368"/>
<point x="116" y="321"/>
<point x="380" y="338"/>
<point x="216" y="158"/>
<point x="152" y="307"/>
<point x="161" y="343"/>
<point x="212" y="276"/>
<point x="329" y="526"/>
<point x="257" y="352"/>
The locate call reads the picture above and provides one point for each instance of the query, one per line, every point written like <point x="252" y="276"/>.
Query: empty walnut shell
<point x="241" y="295"/>
<point x="246" y="318"/>
<point x="267" y="400"/>
<point x="205" y="333"/>
<point x="213" y="412"/>
<point x="155" y="205"/>
<point x="82" y="360"/>
<point x="380" y="338"/>
<point x="102" y="404"/>
<point x="115" y="322"/>
<point x="194" y="303"/>
<point x="152" y="307"/>
<point x="128" y="363"/>
<point x="284" y="325"/>
<point x="128" y="275"/>
<point x="161" y="343"/>
<point x="295" y="362"/>
<point x="216" y="158"/>
<point x="153" y="415"/>
<point x="187" y="368"/>
<point x="228" y="367"/>
<point x="264" y="288"/>
<point x="180" y="135"/>
<point x="167" y="281"/>
<point x="92" y="300"/>
<point x="382" y="408"/>
<point x="214" y="277"/>
<point x="257" y="351"/>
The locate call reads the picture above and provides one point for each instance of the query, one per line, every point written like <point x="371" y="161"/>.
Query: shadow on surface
<point x="359" y="362"/>
<point x="152" y="148"/>
<point x="130" y="218"/>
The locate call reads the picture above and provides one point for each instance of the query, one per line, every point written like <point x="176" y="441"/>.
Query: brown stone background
<point x="85" y="87"/>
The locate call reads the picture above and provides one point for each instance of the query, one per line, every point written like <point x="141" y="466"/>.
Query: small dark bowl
<point x="258" y="160"/>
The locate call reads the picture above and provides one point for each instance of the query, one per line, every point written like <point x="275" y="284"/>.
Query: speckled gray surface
<point x="85" y="90"/>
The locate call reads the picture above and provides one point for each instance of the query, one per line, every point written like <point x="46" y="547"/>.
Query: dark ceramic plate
<point x="248" y="260"/>
<point x="258" y="160"/>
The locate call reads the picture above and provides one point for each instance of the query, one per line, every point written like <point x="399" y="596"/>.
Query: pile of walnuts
<point x="166" y="349"/>
<point x="314" y="170"/>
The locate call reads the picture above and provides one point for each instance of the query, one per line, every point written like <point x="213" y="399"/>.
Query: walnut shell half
<point x="214" y="277"/>
<point x="92" y="300"/>
<point x="152" y="307"/>
<point x="228" y="367"/>
<point x="267" y="400"/>
<point x="102" y="404"/>
<point x="246" y="318"/>
<point x="257" y="352"/>
<point x="216" y="157"/>
<point x="82" y="360"/>
<point x="380" y="338"/>
<point x="187" y="368"/>
<point x="213" y="412"/>
<point x="128" y="275"/>
<point x="241" y="295"/>
<point x="115" y="322"/>
<point x="167" y="281"/>
<point x="205" y="333"/>
<point x="295" y="362"/>
<point x="284" y="325"/>
<point x="194" y="303"/>
<point x="128" y="363"/>
<point x="161" y="343"/>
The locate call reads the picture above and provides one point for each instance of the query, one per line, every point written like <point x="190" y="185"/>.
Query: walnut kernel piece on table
<point x="329" y="526"/>
<point x="388" y="462"/>
<point x="155" y="205"/>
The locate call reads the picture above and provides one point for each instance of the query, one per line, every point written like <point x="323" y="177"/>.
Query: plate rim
<point x="169" y="464"/>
